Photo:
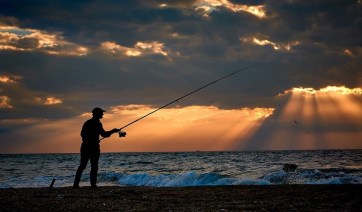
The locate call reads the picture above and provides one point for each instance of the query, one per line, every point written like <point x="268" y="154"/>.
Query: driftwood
<point x="51" y="185"/>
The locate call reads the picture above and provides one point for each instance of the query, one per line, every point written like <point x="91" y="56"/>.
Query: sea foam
<point x="185" y="179"/>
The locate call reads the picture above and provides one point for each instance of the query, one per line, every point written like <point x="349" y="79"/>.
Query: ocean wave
<point x="313" y="177"/>
<point x="194" y="179"/>
<point x="144" y="162"/>
<point x="186" y="168"/>
<point x="190" y="178"/>
<point x="180" y="180"/>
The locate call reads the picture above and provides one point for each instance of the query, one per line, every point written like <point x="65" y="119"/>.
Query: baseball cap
<point x="98" y="110"/>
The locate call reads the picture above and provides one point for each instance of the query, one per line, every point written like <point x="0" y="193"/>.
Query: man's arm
<point x="107" y="134"/>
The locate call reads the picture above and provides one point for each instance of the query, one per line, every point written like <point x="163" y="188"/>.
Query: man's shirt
<point x="91" y="130"/>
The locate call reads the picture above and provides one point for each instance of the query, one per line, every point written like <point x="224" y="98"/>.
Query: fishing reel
<point x="122" y="134"/>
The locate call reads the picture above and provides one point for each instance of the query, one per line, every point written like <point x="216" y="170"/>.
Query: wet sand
<point x="201" y="198"/>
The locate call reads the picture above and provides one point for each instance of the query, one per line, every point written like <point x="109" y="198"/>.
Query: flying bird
<point x="295" y="121"/>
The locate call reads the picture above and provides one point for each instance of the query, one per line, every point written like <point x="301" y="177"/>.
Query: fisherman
<point x="90" y="148"/>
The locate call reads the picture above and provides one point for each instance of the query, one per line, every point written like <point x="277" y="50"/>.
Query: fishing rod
<point x="123" y="134"/>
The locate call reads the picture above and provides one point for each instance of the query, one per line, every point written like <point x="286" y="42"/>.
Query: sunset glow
<point x="11" y="79"/>
<point x="255" y="10"/>
<point x="275" y="45"/>
<point x="48" y="101"/>
<point x="153" y="46"/>
<point x="175" y="129"/>
<point x="328" y="109"/>
<point x="139" y="48"/>
<point x="335" y="89"/>
<point x="5" y="102"/>
<point x="264" y="42"/>
<point x="190" y="128"/>
<point x="52" y="101"/>
<point x="30" y="39"/>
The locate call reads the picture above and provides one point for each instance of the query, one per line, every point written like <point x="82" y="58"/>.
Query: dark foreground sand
<point x="203" y="198"/>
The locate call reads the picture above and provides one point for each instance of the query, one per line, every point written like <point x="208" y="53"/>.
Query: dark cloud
<point x="249" y="2"/>
<point x="27" y="43"/>
<point x="88" y="21"/>
<point x="324" y="21"/>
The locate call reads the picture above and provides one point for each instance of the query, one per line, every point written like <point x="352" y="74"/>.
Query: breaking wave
<point x="194" y="179"/>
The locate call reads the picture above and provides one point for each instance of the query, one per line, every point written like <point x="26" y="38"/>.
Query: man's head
<point x="98" y="112"/>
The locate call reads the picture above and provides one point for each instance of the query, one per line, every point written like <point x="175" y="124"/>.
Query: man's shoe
<point x="76" y="187"/>
<point x="95" y="186"/>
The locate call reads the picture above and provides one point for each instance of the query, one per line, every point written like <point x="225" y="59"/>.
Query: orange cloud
<point x="153" y="46"/>
<point x="4" y="102"/>
<point x="139" y="48"/>
<point x="9" y="79"/>
<point x="276" y="46"/>
<point x="332" y="89"/>
<point x="255" y="10"/>
<point x="31" y="39"/>
<point x="49" y="101"/>
<point x="52" y="101"/>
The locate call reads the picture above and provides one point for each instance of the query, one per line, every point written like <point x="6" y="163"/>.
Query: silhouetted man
<point x="90" y="146"/>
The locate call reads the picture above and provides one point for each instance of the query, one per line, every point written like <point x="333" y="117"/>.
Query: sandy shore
<point x="203" y="198"/>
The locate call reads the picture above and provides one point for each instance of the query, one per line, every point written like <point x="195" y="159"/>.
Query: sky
<point x="60" y="59"/>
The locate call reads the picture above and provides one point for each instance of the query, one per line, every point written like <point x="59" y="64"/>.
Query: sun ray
<point x="320" y="114"/>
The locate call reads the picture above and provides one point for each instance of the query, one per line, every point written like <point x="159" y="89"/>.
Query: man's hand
<point x="122" y="134"/>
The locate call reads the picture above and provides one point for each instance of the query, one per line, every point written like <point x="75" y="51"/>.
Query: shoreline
<point x="186" y="151"/>
<point x="200" y="198"/>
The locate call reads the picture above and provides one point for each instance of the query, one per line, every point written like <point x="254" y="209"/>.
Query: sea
<point x="179" y="169"/>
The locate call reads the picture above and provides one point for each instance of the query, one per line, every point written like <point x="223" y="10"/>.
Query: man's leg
<point x="84" y="157"/>
<point x="94" y="159"/>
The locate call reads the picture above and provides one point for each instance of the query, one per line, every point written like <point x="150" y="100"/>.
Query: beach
<point x="195" y="198"/>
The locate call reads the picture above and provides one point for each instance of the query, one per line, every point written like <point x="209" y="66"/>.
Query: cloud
<point x="9" y="79"/>
<point x="105" y="53"/>
<point x="332" y="89"/>
<point x="276" y="46"/>
<point x="209" y="5"/>
<point x="139" y="49"/>
<point x="13" y="38"/>
<point x="48" y="101"/>
<point x="5" y="102"/>
<point x="31" y="40"/>
<point x="153" y="46"/>
<point x="17" y="101"/>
